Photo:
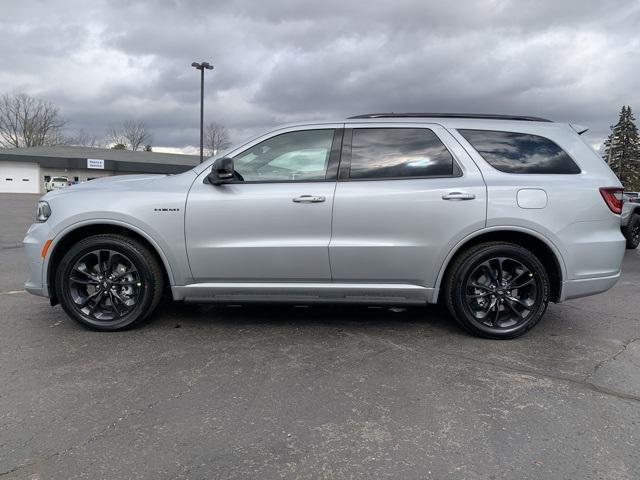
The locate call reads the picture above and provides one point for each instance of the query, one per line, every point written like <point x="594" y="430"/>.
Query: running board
<point x="368" y="293"/>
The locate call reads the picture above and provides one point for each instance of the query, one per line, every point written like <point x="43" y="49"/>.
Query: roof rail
<point x="488" y="116"/>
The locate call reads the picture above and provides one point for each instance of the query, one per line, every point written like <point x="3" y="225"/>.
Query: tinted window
<point x="520" y="152"/>
<point x="301" y="155"/>
<point x="398" y="152"/>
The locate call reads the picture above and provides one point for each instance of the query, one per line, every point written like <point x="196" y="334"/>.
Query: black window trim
<point x="332" y="163"/>
<point x="474" y="149"/>
<point x="344" y="172"/>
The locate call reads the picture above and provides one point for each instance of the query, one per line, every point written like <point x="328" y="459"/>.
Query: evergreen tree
<point x="622" y="150"/>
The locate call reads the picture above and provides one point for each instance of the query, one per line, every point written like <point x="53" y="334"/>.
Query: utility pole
<point x="202" y="66"/>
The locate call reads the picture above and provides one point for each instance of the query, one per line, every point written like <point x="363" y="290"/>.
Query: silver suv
<point x="494" y="216"/>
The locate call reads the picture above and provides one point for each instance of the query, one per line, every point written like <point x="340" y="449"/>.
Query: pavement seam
<point x="105" y="429"/>
<point x="11" y="247"/>
<point x="557" y="378"/>
<point x="566" y="380"/>
<point x="391" y="345"/>
<point x="89" y="440"/>
<point x="592" y="311"/>
<point x="16" y="468"/>
<point x="601" y="363"/>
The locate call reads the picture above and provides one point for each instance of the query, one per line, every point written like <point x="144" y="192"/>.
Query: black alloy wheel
<point x="105" y="285"/>
<point x="109" y="282"/>
<point x="497" y="290"/>
<point x="501" y="292"/>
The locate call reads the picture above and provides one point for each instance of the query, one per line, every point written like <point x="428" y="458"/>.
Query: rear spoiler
<point x="580" y="129"/>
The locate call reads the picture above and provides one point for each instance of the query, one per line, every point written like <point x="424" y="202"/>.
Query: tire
<point x="632" y="232"/>
<point x="109" y="282"/>
<point x="500" y="312"/>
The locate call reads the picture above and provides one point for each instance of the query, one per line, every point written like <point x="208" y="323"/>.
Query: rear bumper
<point x="587" y="286"/>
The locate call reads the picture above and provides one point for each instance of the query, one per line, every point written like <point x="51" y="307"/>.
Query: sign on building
<point x="97" y="163"/>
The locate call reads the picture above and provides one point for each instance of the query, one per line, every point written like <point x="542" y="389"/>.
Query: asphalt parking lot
<point x="323" y="392"/>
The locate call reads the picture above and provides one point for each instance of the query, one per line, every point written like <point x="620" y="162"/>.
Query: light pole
<point x="202" y="66"/>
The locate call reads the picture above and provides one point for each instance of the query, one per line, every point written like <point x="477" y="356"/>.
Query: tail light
<point x="613" y="198"/>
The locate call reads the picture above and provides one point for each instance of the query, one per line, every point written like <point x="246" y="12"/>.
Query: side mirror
<point x="222" y="171"/>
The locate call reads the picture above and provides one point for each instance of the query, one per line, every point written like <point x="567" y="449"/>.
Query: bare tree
<point x="216" y="138"/>
<point x="82" y="138"/>
<point x="26" y="121"/>
<point x="132" y="133"/>
<point x="115" y="136"/>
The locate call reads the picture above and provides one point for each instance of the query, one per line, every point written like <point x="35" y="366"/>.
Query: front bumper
<point x="37" y="235"/>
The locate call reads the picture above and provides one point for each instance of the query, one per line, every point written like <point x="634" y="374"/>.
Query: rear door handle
<point x="309" y="199"/>
<point x="458" y="196"/>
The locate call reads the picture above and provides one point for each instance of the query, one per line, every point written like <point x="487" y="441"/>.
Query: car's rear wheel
<point x="497" y="290"/>
<point x="109" y="282"/>
<point x="632" y="232"/>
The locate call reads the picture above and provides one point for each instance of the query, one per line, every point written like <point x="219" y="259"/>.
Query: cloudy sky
<point x="283" y="60"/>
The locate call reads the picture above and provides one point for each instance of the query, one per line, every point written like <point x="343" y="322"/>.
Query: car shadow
<point x="179" y="314"/>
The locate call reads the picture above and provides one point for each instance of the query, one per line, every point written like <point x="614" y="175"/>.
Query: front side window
<point x="513" y="152"/>
<point x="301" y="155"/>
<point x="398" y="153"/>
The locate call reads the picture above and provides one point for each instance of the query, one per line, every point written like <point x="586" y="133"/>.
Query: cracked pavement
<point x="322" y="392"/>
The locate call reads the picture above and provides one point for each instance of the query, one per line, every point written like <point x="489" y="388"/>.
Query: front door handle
<point x="458" y="196"/>
<point x="309" y="199"/>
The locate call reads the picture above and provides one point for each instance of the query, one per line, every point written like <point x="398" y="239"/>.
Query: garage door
<point x="18" y="177"/>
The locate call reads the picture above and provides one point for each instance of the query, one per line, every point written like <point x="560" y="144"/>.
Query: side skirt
<point x="367" y="293"/>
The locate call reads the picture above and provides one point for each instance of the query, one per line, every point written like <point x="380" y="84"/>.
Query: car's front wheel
<point x="109" y="282"/>
<point x="497" y="290"/>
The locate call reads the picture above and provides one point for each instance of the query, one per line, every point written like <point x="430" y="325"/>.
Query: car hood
<point x="119" y="182"/>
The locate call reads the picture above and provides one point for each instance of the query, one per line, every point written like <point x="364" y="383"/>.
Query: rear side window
<point x="513" y="152"/>
<point x="398" y="153"/>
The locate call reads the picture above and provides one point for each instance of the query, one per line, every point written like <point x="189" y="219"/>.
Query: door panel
<point x="257" y="232"/>
<point x="274" y="222"/>
<point x="400" y="230"/>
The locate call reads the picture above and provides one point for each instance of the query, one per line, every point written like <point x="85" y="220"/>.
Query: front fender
<point x="169" y="260"/>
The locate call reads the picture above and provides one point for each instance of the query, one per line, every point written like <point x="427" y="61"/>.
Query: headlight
<point x="43" y="212"/>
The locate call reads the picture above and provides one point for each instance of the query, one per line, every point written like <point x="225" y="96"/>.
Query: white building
<point x="25" y="170"/>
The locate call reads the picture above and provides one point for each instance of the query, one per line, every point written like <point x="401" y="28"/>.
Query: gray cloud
<point x="284" y="60"/>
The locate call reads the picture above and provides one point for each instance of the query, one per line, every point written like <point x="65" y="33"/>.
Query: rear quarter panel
<point x="575" y="219"/>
